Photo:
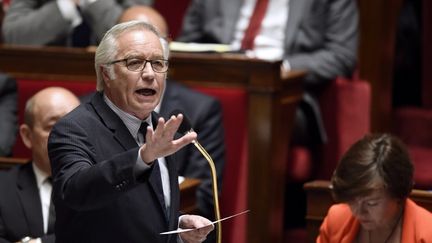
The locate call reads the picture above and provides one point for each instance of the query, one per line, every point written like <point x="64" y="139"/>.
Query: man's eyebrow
<point x="129" y="56"/>
<point x="156" y="57"/>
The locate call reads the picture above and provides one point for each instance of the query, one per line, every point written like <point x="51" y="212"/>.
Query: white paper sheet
<point x="199" y="47"/>
<point x="180" y="230"/>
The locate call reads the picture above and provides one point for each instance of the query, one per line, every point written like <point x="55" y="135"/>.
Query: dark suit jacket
<point x="320" y="38"/>
<point x="8" y="109"/>
<point x="20" y="206"/>
<point x="100" y="194"/>
<point x="40" y="22"/>
<point x="205" y="115"/>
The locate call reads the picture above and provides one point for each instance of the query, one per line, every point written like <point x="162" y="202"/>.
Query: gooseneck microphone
<point x="186" y="125"/>
<point x="184" y="128"/>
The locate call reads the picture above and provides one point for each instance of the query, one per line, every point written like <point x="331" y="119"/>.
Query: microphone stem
<point x="215" y="189"/>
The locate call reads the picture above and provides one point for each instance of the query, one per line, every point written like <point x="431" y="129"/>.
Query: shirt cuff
<point x="140" y="165"/>
<point x="70" y="12"/>
<point x="38" y="240"/>
<point x="179" y="239"/>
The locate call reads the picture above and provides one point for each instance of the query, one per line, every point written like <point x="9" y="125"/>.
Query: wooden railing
<point x="7" y="163"/>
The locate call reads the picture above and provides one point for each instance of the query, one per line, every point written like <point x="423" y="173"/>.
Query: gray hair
<point x="29" y="112"/>
<point x="108" y="47"/>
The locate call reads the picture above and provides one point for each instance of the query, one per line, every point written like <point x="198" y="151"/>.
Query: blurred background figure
<point x="205" y="114"/>
<point x="373" y="181"/>
<point x="408" y="55"/>
<point x="25" y="191"/>
<point x="62" y="22"/>
<point x="8" y="111"/>
<point x="146" y="14"/>
<point x="319" y="37"/>
<point x="1" y="19"/>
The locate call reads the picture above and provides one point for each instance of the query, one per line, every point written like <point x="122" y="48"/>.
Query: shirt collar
<point x="41" y="176"/>
<point x="132" y="123"/>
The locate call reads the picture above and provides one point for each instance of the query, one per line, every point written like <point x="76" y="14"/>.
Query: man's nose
<point x="148" y="71"/>
<point x="148" y="67"/>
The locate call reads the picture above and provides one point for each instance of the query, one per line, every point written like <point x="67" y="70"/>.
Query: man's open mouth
<point x="146" y="92"/>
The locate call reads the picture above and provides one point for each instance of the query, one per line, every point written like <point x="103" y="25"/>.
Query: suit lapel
<point x="120" y="132"/>
<point x="156" y="184"/>
<point x="155" y="177"/>
<point x="123" y="136"/>
<point x="173" y="175"/>
<point x="296" y="11"/>
<point x="28" y="192"/>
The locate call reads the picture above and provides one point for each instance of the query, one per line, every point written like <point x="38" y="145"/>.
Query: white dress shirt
<point x="269" y="42"/>
<point x="70" y="12"/>
<point x="45" y="189"/>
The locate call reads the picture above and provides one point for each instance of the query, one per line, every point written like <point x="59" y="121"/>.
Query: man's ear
<point x="26" y="135"/>
<point x="105" y="75"/>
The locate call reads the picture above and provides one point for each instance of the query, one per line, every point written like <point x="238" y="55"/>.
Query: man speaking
<point x="110" y="183"/>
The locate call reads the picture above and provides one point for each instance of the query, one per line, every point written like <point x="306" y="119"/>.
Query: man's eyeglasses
<point x="138" y="65"/>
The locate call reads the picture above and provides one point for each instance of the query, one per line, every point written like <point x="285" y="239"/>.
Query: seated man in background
<point x="146" y="14"/>
<point x="373" y="181"/>
<point x="8" y="110"/>
<point x="319" y="37"/>
<point x="26" y="214"/>
<point x="205" y="114"/>
<point x="62" y="22"/>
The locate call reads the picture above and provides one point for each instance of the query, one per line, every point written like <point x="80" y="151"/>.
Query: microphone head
<point x="186" y="125"/>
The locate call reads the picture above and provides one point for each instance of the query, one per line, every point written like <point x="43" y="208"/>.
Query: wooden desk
<point x="271" y="105"/>
<point x="6" y="162"/>
<point x="319" y="200"/>
<point x="188" y="200"/>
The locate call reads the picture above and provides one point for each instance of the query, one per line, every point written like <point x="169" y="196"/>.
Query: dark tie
<point x="254" y="24"/>
<point x="81" y="35"/>
<point x="143" y="130"/>
<point x="156" y="171"/>
<point x="51" y="214"/>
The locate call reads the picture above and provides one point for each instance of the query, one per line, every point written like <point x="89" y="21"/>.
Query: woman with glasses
<point x="373" y="181"/>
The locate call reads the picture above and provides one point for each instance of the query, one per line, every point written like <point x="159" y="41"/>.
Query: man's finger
<point x="173" y="124"/>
